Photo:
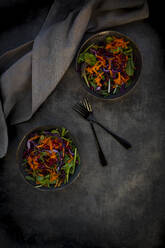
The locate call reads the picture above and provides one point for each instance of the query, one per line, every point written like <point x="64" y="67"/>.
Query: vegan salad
<point x="50" y="157"/>
<point x="108" y="65"/>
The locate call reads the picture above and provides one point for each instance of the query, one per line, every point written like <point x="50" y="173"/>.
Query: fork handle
<point x="122" y="141"/>
<point x="100" y="152"/>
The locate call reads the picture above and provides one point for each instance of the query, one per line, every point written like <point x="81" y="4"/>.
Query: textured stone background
<point x="122" y="205"/>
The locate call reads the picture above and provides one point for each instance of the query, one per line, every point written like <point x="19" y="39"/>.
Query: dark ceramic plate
<point x="100" y="37"/>
<point x="19" y="157"/>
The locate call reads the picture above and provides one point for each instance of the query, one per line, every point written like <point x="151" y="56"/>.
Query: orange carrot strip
<point x="118" y="79"/>
<point x="67" y="143"/>
<point x="44" y="141"/>
<point x="30" y="162"/>
<point x="33" y="138"/>
<point x="63" y="152"/>
<point x="40" y="145"/>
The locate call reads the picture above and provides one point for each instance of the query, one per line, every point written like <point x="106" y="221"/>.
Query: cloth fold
<point x="31" y="72"/>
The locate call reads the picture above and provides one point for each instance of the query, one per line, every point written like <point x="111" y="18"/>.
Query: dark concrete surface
<point x="122" y="205"/>
<point x="20" y="21"/>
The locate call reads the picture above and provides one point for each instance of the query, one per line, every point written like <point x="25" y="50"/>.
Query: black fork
<point x="79" y="109"/>
<point x="85" y="110"/>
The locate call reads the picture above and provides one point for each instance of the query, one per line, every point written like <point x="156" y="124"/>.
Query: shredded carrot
<point x="70" y="160"/>
<point x="39" y="146"/>
<point x="33" y="138"/>
<point x="118" y="79"/>
<point x="63" y="151"/>
<point x="67" y="143"/>
<point x="30" y="162"/>
<point x="53" y="176"/>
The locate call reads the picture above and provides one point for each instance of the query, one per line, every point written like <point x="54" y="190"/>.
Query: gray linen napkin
<point x="28" y="74"/>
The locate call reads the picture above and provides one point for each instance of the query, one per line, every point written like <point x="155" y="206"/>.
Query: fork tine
<point x="82" y="108"/>
<point x="90" y="106"/>
<point x="79" y="112"/>
<point x="85" y="103"/>
<point x="81" y="104"/>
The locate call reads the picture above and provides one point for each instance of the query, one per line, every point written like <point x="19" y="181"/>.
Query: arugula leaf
<point x="104" y="92"/>
<point x="42" y="159"/>
<point x="63" y="131"/>
<point x="81" y="57"/>
<point x="34" y="173"/>
<point x="43" y="180"/>
<point x="132" y="63"/>
<point x="66" y="157"/>
<point x="90" y="59"/>
<point x="129" y="69"/>
<point x="65" y="180"/>
<point x="69" y="140"/>
<point x="29" y="178"/>
<point x="67" y="167"/>
<point x="42" y="155"/>
<point x="109" y="39"/>
<point x="97" y="46"/>
<point x="47" y="176"/>
<point x="40" y="178"/>
<point x="127" y="51"/>
<point x="93" y="84"/>
<point x="72" y="169"/>
<point x="118" y="49"/>
<point x="128" y="83"/>
<point x="130" y="66"/>
<point x="55" y="131"/>
<point x="42" y="137"/>
<point x="53" y="182"/>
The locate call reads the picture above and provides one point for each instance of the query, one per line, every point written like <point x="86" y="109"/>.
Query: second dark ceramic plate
<point x="100" y="37"/>
<point x="19" y="157"/>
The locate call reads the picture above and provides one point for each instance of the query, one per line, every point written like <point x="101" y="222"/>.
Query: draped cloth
<point x="29" y="73"/>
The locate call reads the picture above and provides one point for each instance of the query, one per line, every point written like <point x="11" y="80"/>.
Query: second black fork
<point x="80" y="110"/>
<point x="85" y="109"/>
